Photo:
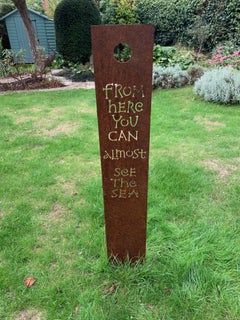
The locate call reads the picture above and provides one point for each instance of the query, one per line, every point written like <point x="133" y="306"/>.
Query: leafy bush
<point x="170" y="77"/>
<point x="73" y="19"/>
<point x="170" y="56"/>
<point x="122" y="52"/>
<point x="81" y="72"/>
<point x="198" y="34"/>
<point x="58" y="62"/>
<point x="23" y="76"/>
<point x="77" y="72"/>
<point x="169" y="17"/>
<point x="219" y="85"/>
<point x="198" y="23"/>
<point x="11" y="63"/>
<point x="226" y="55"/>
<point x="223" y="18"/>
<point x="118" y="12"/>
<point x="163" y="56"/>
<point x="195" y="72"/>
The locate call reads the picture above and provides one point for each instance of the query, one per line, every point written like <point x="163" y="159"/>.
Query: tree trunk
<point x="35" y="50"/>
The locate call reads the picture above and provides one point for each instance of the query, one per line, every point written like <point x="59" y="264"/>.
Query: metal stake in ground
<point x="122" y="57"/>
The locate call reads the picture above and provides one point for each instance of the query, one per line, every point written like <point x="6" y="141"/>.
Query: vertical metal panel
<point x="123" y="92"/>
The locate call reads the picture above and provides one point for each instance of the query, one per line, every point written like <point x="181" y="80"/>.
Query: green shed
<point x="44" y="28"/>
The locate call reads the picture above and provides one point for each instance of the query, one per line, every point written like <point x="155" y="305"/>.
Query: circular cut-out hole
<point x="122" y="52"/>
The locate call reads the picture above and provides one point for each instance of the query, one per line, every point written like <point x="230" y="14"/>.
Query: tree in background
<point x="49" y="7"/>
<point x="4" y="3"/>
<point x="35" y="5"/>
<point x="73" y="19"/>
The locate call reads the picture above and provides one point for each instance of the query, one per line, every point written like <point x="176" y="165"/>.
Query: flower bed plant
<point x="170" y="77"/>
<point x="226" y="56"/>
<point x="219" y="85"/>
<point x="171" y="56"/>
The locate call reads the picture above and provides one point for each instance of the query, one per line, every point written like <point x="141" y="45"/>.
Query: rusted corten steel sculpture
<point x="123" y="93"/>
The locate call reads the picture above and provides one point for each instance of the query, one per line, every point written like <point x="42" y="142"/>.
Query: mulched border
<point x="29" y="83"/>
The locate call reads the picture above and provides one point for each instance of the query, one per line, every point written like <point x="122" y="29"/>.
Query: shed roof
<point x="31" y="10"/>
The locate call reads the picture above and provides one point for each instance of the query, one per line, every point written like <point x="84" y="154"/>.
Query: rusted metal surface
<point x="123" y="93"/>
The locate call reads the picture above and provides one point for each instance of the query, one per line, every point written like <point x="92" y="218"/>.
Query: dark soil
<point x="29" y="83"/>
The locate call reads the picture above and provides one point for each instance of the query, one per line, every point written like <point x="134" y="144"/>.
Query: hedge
<point x="199" y="23"/>
<point x="73" y="19"/>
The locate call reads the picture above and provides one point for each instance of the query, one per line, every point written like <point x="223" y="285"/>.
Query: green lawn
<point x="52" y="221"/>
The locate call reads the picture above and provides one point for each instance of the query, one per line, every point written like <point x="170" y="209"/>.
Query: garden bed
<point x="28" y="82"/>
<point x="50" y="81"/>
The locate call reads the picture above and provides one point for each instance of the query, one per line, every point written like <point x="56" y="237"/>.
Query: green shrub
<point x="198" y="35"/>
<point x="163" y="56"/>
<point x="81" y="72"/>
<point x="195" y="72"/>
<point x="77" y="72"/>
<point x="170" y="56"/>
<point x="170" y="77"/>
<point x="58" y="62"/>
<point x="224" y="18"/>
<point x="73" y="19"/>
<point x="219" y="85"/>
<point x="198" y="23"/>
<point x="118" y="12"/>
<point x="220" y="22"/>
<point x="11" y="63"/>
<point x="122" y="52"/>
<point x="169" y="17"/>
